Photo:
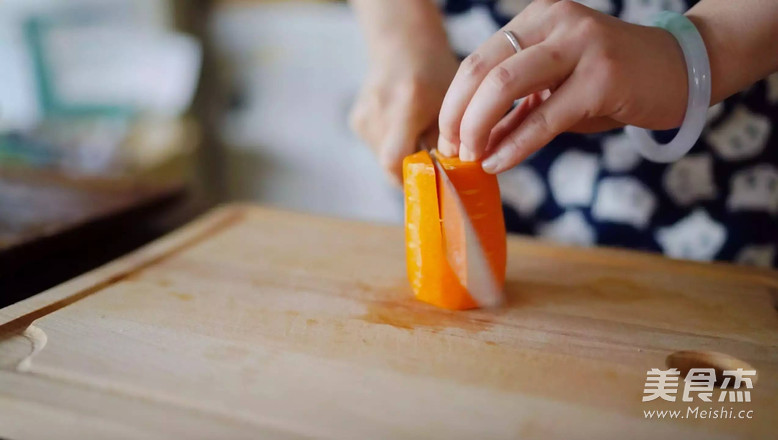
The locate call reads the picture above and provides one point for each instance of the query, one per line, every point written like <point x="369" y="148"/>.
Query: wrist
<point x="394" y="27"/>
<point x="741" y="39"/>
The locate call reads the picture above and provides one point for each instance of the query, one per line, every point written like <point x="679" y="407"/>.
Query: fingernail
<point x="492" y="163"/>
<point x="466" y="154"/>
<point x="445" y="147"/>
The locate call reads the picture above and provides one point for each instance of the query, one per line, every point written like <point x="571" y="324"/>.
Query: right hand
<point x="401" y="98"/>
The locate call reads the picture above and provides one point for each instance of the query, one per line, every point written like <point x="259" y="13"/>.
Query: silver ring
<point x="512" y="39"/>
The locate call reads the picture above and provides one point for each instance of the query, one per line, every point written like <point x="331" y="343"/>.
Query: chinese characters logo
<point x="664" y="384"/>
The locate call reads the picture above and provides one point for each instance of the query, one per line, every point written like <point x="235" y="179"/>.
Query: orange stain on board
<point x="182" y="296"/>
<point x="415" y="316"/>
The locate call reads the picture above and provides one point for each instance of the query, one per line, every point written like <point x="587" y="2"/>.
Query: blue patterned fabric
<point x="719" y="202"/>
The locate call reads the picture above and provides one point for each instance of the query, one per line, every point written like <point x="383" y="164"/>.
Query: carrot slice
<point x="432" y="277"/>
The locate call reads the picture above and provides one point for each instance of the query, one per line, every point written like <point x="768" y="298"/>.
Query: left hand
<point x="581" y="71"/>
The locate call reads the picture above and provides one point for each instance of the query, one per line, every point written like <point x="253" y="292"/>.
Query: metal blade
<point x="469" y="263"/>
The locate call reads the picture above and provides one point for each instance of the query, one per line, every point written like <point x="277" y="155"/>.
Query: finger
<point x="567" y="106"/>
<point x="401" y="140"/>
<point x="367" y="120"/>
<point x="529" y="27"/>
<point x="446" y="147"/>
<point x="534" y="69"/>
<point x="512" y="120"/>
<point x="397" y="145"/>
<point x="469" y="75"/>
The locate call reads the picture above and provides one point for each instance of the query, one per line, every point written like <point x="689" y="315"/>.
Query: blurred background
<point x="122" y="119"/>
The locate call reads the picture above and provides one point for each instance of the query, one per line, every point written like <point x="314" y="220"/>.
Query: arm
<point x="742" y="42"/>
<point x="411" y="66"/>
<point x="391" y="23"/>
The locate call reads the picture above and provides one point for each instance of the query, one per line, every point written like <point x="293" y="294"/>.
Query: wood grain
<point x="253" y="323"/>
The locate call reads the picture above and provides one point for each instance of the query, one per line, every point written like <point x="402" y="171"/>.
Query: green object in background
<point x="19" y="150"/>
<point x="50" y="103"/>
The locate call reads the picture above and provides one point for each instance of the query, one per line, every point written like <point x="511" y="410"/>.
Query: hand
<point x="401" y="98"/>
<point x="583" y="71"/>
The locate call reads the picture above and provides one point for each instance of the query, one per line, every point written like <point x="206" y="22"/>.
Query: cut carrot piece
<point x="480" y="195"/>
<point x="431" y="275"/>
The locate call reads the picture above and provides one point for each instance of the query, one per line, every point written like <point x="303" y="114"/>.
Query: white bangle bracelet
<point x="698" y="71"/>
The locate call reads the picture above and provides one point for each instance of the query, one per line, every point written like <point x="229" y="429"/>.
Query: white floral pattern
<point x="742" y="136"/>
<point x="572" y="177"/>
<point x="755" y="189"/>
<point x="690" y="179"/>
<point x="523" y="189"/>
<point x="569" y="228"/>
<point x="696" y="237"/>
<point x="624" y="200"/>
<point x="618" y="153"/>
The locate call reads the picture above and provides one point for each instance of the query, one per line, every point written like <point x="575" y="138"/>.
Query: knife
<point x="469" y="263"/>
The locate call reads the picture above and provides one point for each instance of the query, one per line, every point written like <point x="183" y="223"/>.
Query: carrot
<point x="430" y="273"/>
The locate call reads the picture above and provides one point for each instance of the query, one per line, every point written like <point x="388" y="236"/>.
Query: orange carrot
<point x="432" y="277"/>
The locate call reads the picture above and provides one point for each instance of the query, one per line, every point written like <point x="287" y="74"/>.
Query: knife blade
<point x="469" y="262"/>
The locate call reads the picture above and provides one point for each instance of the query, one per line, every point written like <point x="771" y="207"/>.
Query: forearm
<point x="742" y="41"/>
<point x="390" y="23"/>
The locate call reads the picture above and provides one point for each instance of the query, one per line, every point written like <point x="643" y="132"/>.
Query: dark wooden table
<point x="54" y="227"/>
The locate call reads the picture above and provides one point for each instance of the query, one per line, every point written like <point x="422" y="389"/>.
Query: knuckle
<point x="590" y="109"/>
<point x="555" y="54"/>
<point x="410" y="88"/>
<point x="541" y="4"/>
<point x="588" y="69"/>
<point x="602" y="84"/>
<point x="622" y="108"/>
<point x="609" y="69"/>
<point x="564" y="9"/>
<point x="473" y="65"/>
<point x="591" y="29"/>
<point x="546" y="3"/>
<point x="609" y="74"/>
<point x="500" y="78"/>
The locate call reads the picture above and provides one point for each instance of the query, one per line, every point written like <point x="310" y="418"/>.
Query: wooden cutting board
<point x="255" y="323"/>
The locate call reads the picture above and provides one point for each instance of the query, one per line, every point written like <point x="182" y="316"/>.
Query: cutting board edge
<point x="24" y="312"/>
